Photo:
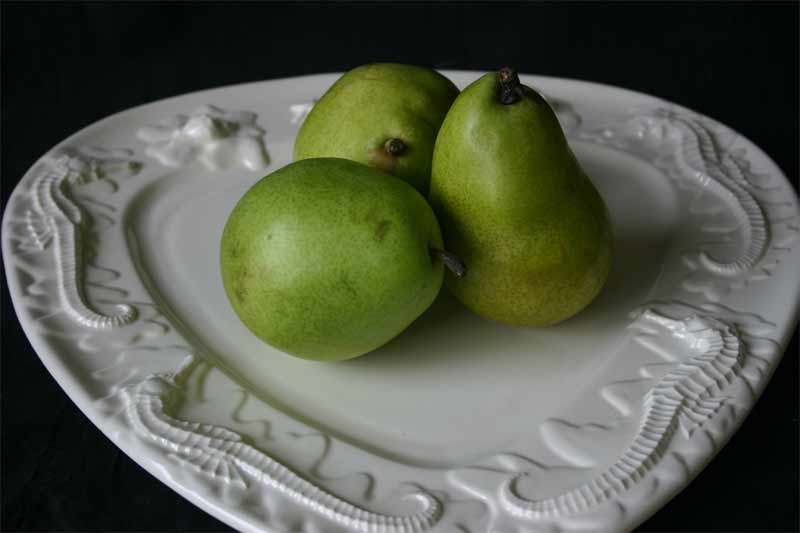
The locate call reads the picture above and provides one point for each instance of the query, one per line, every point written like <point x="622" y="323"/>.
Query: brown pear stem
<point x="451" y="261"/>
<point x="510" y="87"/>
<point x="394" y="147"/>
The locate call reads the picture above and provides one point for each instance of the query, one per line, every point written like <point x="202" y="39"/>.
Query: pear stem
<point x="394" y="147"/>
<point x="510" y="87"/>
<point x="451" y="261"/>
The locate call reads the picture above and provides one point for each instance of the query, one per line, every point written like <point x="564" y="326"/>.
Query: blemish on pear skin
<point x="345" y="282"/>
<point x="371" y="216"/>
<point x="240" y="294"/>
<point x="382" y="229"/>
<point x="381" y="160"/>
<point x="239" y="284"/>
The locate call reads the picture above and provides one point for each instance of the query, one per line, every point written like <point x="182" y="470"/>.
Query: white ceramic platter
<point x="110" y="243"/>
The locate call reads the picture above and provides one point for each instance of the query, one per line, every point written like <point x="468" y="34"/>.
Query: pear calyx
<point x="451" y="261"/>
<point x="510" y="87"/>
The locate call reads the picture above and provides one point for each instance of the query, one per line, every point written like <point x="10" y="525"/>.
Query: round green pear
<point x="384" y="115"/>
<point x="328" y="259"/>
<point x="514" y="203"/>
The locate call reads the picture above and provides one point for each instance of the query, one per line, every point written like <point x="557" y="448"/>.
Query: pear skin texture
<point x="516" y="207"/>
<point x="371" y="104"/>
<point x="328" y="259"/>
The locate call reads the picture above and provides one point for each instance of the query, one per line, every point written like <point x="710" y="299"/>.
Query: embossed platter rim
<point x="693" y="368"/>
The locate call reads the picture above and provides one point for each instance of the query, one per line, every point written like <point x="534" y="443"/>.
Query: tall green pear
<point x="515" y="205"/>
<point x="328" y="259"/>
<point x="385" y="115"/>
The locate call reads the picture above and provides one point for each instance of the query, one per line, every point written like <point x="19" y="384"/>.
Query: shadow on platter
<point x="450" y="334"/>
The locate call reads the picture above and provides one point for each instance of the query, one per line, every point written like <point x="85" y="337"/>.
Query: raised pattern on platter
<point x="697" y="151"/>
<point x="686" y="397"/>
<point x="225" y="456"/>
<point x="218" y="139"/>
<point x="701" y="157"/>
<point x="56" y="218"/>
<point x="666" y="418"/>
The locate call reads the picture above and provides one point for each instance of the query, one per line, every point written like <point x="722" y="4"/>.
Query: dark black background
<point x="65" y="66"/>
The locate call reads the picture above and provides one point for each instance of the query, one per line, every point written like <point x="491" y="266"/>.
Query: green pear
<point x="328" y="259"/>
<point x="384" y="115"/>
<point x="515" y="205"/>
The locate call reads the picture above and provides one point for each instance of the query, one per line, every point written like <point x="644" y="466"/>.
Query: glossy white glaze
<point x="492" y="428"/>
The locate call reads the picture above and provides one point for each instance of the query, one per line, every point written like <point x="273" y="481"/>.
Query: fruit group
<point x="384" y="115"/>
<point x="328" y="259"/>
<point x="515" y="205"/>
